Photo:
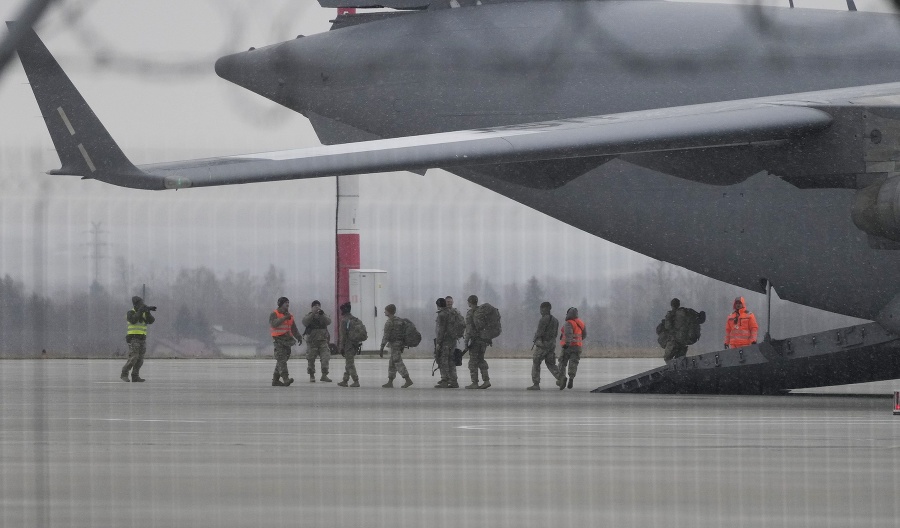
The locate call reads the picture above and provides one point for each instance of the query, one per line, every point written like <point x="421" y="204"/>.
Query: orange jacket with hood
<point x="741" y="327"/>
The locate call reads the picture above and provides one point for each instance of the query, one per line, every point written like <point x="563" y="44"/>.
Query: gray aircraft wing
<point x="86" y="149"/>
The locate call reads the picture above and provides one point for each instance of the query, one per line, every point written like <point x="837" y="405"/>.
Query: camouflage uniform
<point x="445" y="344"/>
<point x="283" y="344"/>
<point x="545" y="347"/>
<point x="137" y="343"/>
<point x="672" y="326"/>
<point x="317" y="339"/>
<point x="393" y="336"/>
<point x="348" y="349"/>
<point x="477" y="347"/>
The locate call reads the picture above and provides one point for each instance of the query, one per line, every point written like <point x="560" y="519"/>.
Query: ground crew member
<point x="476" y="346"/>
<point x="349" y="348"/>
<point x="741" y="327"/>
<point x="136" y="337"/>
<point x="284" y="335"/>
<point x="445" y="343"/>
<point x="571" y="340"/>
<point x="317" y="338"/>
<point x="544" y="346"/>
<point x="394" y="335"/>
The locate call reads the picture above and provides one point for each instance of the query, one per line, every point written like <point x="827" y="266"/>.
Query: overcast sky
<point x="146" y="68"/>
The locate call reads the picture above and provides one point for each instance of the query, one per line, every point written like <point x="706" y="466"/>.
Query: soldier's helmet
<point x="675" y="303"/>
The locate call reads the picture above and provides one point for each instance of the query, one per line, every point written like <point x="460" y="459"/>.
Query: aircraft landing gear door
<point x="368" y="297"/>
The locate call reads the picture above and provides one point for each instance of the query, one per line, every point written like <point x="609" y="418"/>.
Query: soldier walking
<point x="394" y="334"/>
<point x="544" y="346"/>
<point x="317" y="338"/>
<point x="476" y="346"/>
<point x="445" y="343"/>
<point x="571" y="339"/>
<point x="284" y="335"/>
<point x="136" y="337"/>
<point x="351" y="336"/>
<point x="679" y="329"/>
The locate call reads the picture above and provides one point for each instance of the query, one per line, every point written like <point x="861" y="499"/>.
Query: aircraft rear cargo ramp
<point x="855" y="354"/>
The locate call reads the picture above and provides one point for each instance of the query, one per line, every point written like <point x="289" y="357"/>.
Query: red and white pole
<point x="346" y="240"/>
<point x="346" y="246"/>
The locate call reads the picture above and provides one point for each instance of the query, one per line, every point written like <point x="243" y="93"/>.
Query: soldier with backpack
<point x="446" y="335"/>
<point x="395" y="331"/>
<point x="544" y="346"/>
<point x="352" y="334"/>
<point x="482" y="326"/>
<point x="679" y="329"/>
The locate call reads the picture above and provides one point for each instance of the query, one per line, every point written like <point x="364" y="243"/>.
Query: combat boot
<point x="355" y="382"/>
<point x="485" y="385"/>
<point x="389" y="384"/>
<point x="137" y="379"/>
<point x="571" y="379"/>
<point x="408" y="382"/>
<point x="474" y="385"/>
<point x="342" y="383"/>
<point x="561" y="383"/>
<point x="453" y="385"/>
<point x="325" y="378"/>
<point x="124" y="377"/>
<point x="287" y="382"/>
<point x="443" y="384"/>
<point x="536" y="386"/>
<point x="312" y="378"/>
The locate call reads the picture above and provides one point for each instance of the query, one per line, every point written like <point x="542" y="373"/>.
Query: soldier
<point x="284" y="335"/>
<point x="671" y="327"/>
<point x="394" y="334"/>
<point x="350" y="342"/>
<point x="445" y="343"/>
<point x="571" y="339"/>
<point x="544" y="346"/>
<point x="136" y="337"/>
<point x="476" y="346"/>
<point x="317" y="338"/>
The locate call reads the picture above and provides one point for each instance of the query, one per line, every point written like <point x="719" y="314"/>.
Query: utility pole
<point x="96" y="253"/>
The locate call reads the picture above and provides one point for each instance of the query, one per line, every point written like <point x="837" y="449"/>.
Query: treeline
<point x="622" y="313"/>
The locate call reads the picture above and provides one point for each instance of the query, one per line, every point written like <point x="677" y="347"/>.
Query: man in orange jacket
<point x="741" y="327"/>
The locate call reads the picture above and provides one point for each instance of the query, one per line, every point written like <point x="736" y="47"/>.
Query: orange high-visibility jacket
<point x="740" y="328"/>
<point x="284" y="327"/>
<point x="577" y="331"/>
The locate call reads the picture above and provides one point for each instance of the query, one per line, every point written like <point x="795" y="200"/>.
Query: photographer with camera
<point x="317" y="339"/>
<point x="136" y="337"/>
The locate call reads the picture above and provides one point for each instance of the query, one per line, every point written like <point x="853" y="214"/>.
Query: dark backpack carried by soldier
<point x="679" y="329"/>
<point x="487" y="322"/>
<point x="411" y="336"/>
<point x="356" y="331"/>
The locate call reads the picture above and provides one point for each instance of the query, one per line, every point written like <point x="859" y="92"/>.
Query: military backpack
<point x="687" y="325"/>
<point x="356" y="331"/>
<point x="411" y="336"/>
<point x="487" y="321"/>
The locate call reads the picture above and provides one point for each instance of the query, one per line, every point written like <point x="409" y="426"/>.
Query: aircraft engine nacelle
<point x="876" y="209"/>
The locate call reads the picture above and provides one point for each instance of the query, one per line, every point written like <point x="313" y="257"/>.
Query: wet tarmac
<point x="211" y="443"/>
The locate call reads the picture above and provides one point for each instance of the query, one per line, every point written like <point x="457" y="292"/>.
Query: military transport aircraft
<point x="754" y="145"/>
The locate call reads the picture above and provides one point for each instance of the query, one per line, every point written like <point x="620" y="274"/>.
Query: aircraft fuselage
<point x="502" y="64"/>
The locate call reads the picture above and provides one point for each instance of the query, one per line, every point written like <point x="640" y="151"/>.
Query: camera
<point x="150" y="308"/>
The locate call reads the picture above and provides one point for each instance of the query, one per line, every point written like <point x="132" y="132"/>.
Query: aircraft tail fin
<point x="84" y="146"/>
